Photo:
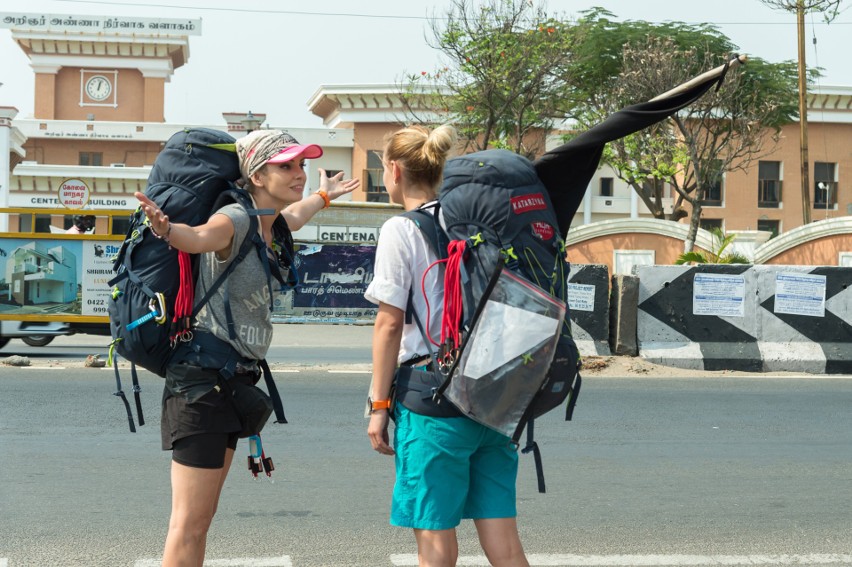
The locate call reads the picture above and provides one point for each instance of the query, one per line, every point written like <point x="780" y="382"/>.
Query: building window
<point x="42" y="223"/>
<point x="825" y="185"/>
<point x="711" y="193"/>
<point x="374" y="184"/>
<point x="91" y="158"/>
<point x="772" y="226"/>
<point x="710" y="224"/>
<point x="606" y="186"/>
<point x="769" y="184"/>
<point x="120" y="225"/>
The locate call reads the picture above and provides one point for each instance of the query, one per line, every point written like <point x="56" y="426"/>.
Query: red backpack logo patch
<point x="543" y="230"/>
<point x="527" y="203"/>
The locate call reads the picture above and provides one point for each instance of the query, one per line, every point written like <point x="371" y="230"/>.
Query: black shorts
<point x="199" y="432"/>
<point x="203" y="450"/>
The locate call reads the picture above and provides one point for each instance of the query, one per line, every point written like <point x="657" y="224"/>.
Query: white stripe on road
<point x="349" y="371"/>
<point x="562" y="560"/>
<point x="283" y="561"/>
<point x="4" y="562"/>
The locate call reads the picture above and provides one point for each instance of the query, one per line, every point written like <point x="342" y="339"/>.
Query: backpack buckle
<point x="476" y="239"/>
<point x="510" y="259"/>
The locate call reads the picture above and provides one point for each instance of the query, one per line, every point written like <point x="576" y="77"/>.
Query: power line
<point x="247" y="10"/>
<point x="376" y="16"/>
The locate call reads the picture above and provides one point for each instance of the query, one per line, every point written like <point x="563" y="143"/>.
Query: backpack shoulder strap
<point x="431" y="228"/>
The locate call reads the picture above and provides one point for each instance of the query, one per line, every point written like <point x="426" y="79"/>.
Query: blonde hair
<point x="421" y="152"/>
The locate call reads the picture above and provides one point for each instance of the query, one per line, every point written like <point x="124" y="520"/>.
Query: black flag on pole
<point x="567" y="170"/>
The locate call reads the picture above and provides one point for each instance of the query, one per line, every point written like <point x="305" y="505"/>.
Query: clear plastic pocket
<point x="506" y="360"/>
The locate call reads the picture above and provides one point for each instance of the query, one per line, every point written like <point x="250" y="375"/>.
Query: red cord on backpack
<point x="184" y="300"/>
<point x="453" y="308"/>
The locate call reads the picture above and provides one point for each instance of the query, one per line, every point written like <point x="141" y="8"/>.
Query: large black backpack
<point x="193" y="176"/>
<point x="494" y="203"/>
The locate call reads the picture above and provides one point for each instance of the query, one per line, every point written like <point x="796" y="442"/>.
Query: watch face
<point x="98" y="87"/>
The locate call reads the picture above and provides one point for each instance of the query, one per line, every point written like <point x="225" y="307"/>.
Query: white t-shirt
<point x="402" y="256"/>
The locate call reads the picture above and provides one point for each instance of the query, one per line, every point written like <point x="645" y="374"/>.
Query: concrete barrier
<point x="745" y="317"/>
<point x="588" y="299"/>
<point x="623" y="302"/>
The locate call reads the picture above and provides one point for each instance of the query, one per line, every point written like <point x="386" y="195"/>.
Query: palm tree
<point x="716" y="255"/>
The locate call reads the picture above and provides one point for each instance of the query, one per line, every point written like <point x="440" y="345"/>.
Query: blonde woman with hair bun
<point x="447" y="468"/>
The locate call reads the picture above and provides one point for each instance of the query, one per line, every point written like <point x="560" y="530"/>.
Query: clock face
<point x="98" y="87"/>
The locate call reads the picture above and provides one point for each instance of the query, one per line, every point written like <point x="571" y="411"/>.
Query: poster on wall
<point x="64" y="279"/>
<point x="332" y="281"/>
<point x="52" y="279"/>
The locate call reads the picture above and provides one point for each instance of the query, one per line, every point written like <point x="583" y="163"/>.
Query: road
<point x="296" y="344"/>
<point x="695" y="471"/>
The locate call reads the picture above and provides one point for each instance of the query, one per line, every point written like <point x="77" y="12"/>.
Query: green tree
<point x="620" y="63"/>
<point x="503" y="75"/>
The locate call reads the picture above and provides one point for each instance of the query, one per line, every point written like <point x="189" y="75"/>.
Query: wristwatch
<point x="378" y="404"/>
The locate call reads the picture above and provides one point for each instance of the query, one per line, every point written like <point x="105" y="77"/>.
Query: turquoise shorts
<point x="448" y="469"/>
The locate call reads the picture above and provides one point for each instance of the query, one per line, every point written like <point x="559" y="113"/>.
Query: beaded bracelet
<point x="163" y="237"/>
<point x="325" y="198"/>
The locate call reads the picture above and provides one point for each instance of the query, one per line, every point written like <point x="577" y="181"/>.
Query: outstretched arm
<point x="298" y="214"/>
<point x="213" y="236"/>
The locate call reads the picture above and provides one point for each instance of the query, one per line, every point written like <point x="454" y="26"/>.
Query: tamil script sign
<point x="108" y="25"/>
<point x="73" y="193"/>
<point x="332" y="282"/>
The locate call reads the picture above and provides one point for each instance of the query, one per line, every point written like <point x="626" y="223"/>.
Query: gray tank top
<point x="248" y="290"/>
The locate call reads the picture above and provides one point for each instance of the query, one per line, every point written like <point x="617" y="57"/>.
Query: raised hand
<point x="335" y="186"/>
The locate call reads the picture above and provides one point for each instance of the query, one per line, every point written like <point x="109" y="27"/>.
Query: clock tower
<point x="111" y="69"/>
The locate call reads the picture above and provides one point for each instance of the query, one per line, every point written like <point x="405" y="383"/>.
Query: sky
<point x="272" y="56"/>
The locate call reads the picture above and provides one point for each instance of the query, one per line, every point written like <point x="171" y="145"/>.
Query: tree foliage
<point x="717" y="254"/>
<point x="504" y="74"/>
<point x="828" y="8"/>
<point x="620" y="63"/>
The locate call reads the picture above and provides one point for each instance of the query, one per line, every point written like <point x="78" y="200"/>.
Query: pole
<point x="803" y="114"/>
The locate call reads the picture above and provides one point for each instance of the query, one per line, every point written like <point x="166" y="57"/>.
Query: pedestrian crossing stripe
<point x="568" y="560"/>
<point x="282" y="561"/>
<point x="559" y="560"/>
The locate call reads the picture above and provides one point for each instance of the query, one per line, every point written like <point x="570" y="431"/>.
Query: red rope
<point x="185" y="296"/>
<point x="453" y="308"/>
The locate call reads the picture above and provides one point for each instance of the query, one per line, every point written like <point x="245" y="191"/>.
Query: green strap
<point x="224" y="147"/>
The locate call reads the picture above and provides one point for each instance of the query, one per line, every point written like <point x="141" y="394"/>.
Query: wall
<point x="745" y="317"/>
<point x="63" y="152"/>
<point x="367" y="137"/>
<point x="130" y="94"/>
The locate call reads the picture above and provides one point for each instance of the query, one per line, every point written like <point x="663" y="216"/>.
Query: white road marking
<point x="567" y="560"/>
<point x="283" y="561"/>
<point x="4" y="562"/>
<point x="349" y="371"/>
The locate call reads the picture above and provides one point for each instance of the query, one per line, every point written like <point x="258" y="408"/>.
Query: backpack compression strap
<point x="136" y="389"/>
<point x="272" y="389"/>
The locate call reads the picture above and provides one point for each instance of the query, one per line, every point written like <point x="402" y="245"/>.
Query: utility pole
<point x="829" y="10"/>
<point x="803" y="114"/>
